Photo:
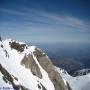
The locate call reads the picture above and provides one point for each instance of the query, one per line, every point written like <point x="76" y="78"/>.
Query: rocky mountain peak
<point x="30" y="65"/>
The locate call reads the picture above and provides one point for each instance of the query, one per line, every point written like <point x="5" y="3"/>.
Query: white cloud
<point x="36" y="17"/>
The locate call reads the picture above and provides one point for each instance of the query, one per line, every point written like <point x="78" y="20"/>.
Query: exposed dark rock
<point x="4" y="78"/>
<point x="6" y="53"/>
<point x="15" y="78"/>
<point x="43" y="88"/>
<point x="39" y="86"/>
<point x="1" y="45"/>
<point x="38" y="53"/>
<point x="7" y="77"/>
<point x="30" y="63"/>
<point x="6" y="74"/>
<point x="17" y="46"/>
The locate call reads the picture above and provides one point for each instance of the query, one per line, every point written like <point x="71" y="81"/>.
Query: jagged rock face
<point x="41" y="86"/>
<point x="30" y="63"/>
<point x="8" y="78"/>
<point x="47" y="65"/>
<point x="17" y="46"/>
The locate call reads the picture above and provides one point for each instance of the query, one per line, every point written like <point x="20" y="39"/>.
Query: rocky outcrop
<point x="40" y="86"/>
<point x="8" y="78"/>
<point x="30" y="63"/>
<point x="47" y="65"/>
<point x="17" y="46"/>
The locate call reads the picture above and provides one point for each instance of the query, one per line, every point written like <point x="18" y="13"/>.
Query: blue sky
<point x="52" y="21"/>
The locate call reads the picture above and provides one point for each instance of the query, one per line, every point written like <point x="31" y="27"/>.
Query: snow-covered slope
<point x="24" y="67"/>
<point x="76" y="83"/>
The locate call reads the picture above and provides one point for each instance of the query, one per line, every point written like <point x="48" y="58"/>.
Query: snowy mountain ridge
<point x="81" y="72"/>
<point x="25" y="67"/>
<point x="78" y="82"/>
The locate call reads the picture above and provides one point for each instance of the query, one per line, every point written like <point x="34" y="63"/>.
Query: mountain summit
<point x="24" y="67"/>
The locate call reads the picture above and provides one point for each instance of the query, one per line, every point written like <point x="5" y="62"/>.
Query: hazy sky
<point x="45" y="20"/>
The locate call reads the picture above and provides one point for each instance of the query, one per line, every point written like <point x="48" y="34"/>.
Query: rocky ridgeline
<point x="8" y="78"/>
<point x="47" y="65"/>
<point x="29" y="62"/>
